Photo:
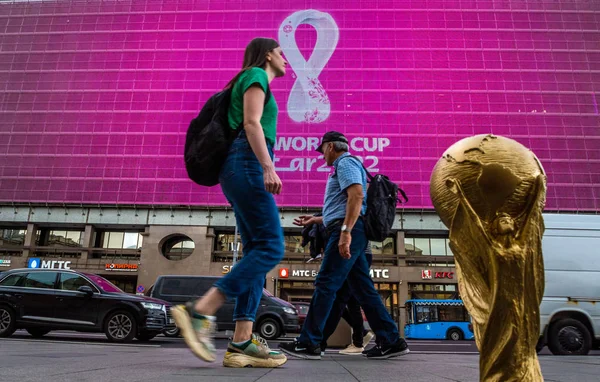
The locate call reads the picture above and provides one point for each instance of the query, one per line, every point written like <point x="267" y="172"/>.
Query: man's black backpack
<point x="382" y="198"/>
<point x="208" y="139"/>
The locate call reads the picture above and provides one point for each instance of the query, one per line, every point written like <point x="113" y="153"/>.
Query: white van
<point x="570" y="309"/>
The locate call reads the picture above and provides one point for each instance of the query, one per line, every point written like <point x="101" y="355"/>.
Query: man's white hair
<point x="340" y="146"/>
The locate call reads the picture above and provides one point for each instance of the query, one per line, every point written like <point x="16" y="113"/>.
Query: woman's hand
<point x="272" y="181"/>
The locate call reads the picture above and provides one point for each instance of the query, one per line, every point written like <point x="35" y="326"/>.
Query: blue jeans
<point x="259" y="225"/>
<point x="334" y="271"/>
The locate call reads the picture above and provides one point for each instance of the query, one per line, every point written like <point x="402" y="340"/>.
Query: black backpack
<point x="208" y="139"/>
<point x="382" y="198"/>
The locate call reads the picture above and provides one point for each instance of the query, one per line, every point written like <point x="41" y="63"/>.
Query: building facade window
<point x="226" y="242"/>
<point x="12" y="237"/>
<point x="432" y="291"/>
<point x="59" y="238"/>
<point x="119" y="240"/>
<point x="58" y="242"/>
<point x="427" y="246"/>
<point x="177" y="247"/>
<point x="386" y="247"/>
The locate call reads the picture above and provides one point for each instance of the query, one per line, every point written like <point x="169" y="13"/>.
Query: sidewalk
<point x="413" y="367"/>
<point x="23" y="360"/>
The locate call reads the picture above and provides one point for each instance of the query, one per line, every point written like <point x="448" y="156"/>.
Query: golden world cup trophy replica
<point x="490" y="192"/>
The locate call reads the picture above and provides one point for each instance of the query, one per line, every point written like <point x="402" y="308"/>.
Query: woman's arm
<point x="254" y="100"/>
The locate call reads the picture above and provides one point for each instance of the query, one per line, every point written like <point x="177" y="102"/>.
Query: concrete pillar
<point x="30" y="240"/>
<point x="88" y="241"/>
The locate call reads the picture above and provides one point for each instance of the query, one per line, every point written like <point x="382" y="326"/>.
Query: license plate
<point x="171" y="321"/>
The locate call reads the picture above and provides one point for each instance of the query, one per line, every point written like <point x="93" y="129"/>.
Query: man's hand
<point x="344" y="245"/>
<point x="305" y="220"/>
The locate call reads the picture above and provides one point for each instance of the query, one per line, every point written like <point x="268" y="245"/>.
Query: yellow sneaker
<point x="253" y="353"/>
<point x="197" y="331"/>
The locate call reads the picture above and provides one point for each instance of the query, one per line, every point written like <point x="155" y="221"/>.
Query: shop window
<point x="12" y="237"/>
<point x="177" y="247"/>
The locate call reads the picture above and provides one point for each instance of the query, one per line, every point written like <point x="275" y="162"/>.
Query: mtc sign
<point x="285" y="273"/>
<point x="36" y="262"/>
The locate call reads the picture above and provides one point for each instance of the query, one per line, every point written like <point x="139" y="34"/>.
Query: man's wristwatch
<point x="345" y="229"/>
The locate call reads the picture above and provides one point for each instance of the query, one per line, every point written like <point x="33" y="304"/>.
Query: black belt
<point x="333" y="226"/>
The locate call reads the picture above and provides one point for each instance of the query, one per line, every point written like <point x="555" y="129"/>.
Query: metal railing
<point x="299" y="258"/>
<point x="429" y="261"/>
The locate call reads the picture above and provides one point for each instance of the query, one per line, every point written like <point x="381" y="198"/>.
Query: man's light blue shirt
<point x="349" y="172"/>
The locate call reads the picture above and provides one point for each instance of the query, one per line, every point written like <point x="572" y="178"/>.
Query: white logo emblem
<point x="308" y="101"/>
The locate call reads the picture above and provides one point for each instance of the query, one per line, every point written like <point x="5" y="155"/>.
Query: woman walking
<point x="249" y="181"/>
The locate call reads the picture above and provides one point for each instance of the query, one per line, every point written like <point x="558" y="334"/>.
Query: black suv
<point x="41" y="300"/>
<point x="275" y="317"/>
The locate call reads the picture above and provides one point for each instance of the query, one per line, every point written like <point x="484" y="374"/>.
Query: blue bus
<point x="437" y="320"/>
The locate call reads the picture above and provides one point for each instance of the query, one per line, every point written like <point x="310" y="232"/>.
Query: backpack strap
<point x="369" y="176"/>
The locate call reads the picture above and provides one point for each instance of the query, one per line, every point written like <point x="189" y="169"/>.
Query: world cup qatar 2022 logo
<point x="308" y="101"/>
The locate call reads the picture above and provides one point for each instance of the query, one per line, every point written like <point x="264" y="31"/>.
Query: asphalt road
<point x="416" y="346"/>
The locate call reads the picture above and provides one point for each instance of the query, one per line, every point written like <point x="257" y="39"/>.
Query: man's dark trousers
<point x="334" y="271"/>
<point x="347" y="307"/>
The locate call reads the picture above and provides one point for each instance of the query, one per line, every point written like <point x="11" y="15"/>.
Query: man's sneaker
<point x="352" y="350"/>
<point x="253" y="353"/>
<point x="387" y="351"/>
<point x="367" y="338"/>
<point x="197" y="331"/>
<point x="300" y="350"/>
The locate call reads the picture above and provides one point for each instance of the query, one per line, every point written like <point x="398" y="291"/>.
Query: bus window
<point x="427" y="314"/>
<point x="452" y="313"/>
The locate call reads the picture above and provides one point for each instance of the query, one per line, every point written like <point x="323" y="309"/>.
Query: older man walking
<point x="345" y="204"/>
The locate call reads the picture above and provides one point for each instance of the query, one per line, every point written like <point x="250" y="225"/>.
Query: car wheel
<point x="120" y="327"/>
<point x="569" y="337"/>
<point x="171" y="332"/>
<point x="454" y="335"/>
<point x="146" y="336"/>
<point x="38" y="332"/>
<point x="269" y="329"/>
<point x="7" y="321"/>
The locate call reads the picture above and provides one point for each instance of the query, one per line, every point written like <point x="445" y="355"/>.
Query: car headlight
<point x="289" y="310"/>
<point x="152" y="305"/>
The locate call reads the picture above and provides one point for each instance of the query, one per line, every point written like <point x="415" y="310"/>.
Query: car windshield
<point x="104" y="284"/>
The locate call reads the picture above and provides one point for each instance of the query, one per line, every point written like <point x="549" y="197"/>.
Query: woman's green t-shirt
<point x="236" y="107"/>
